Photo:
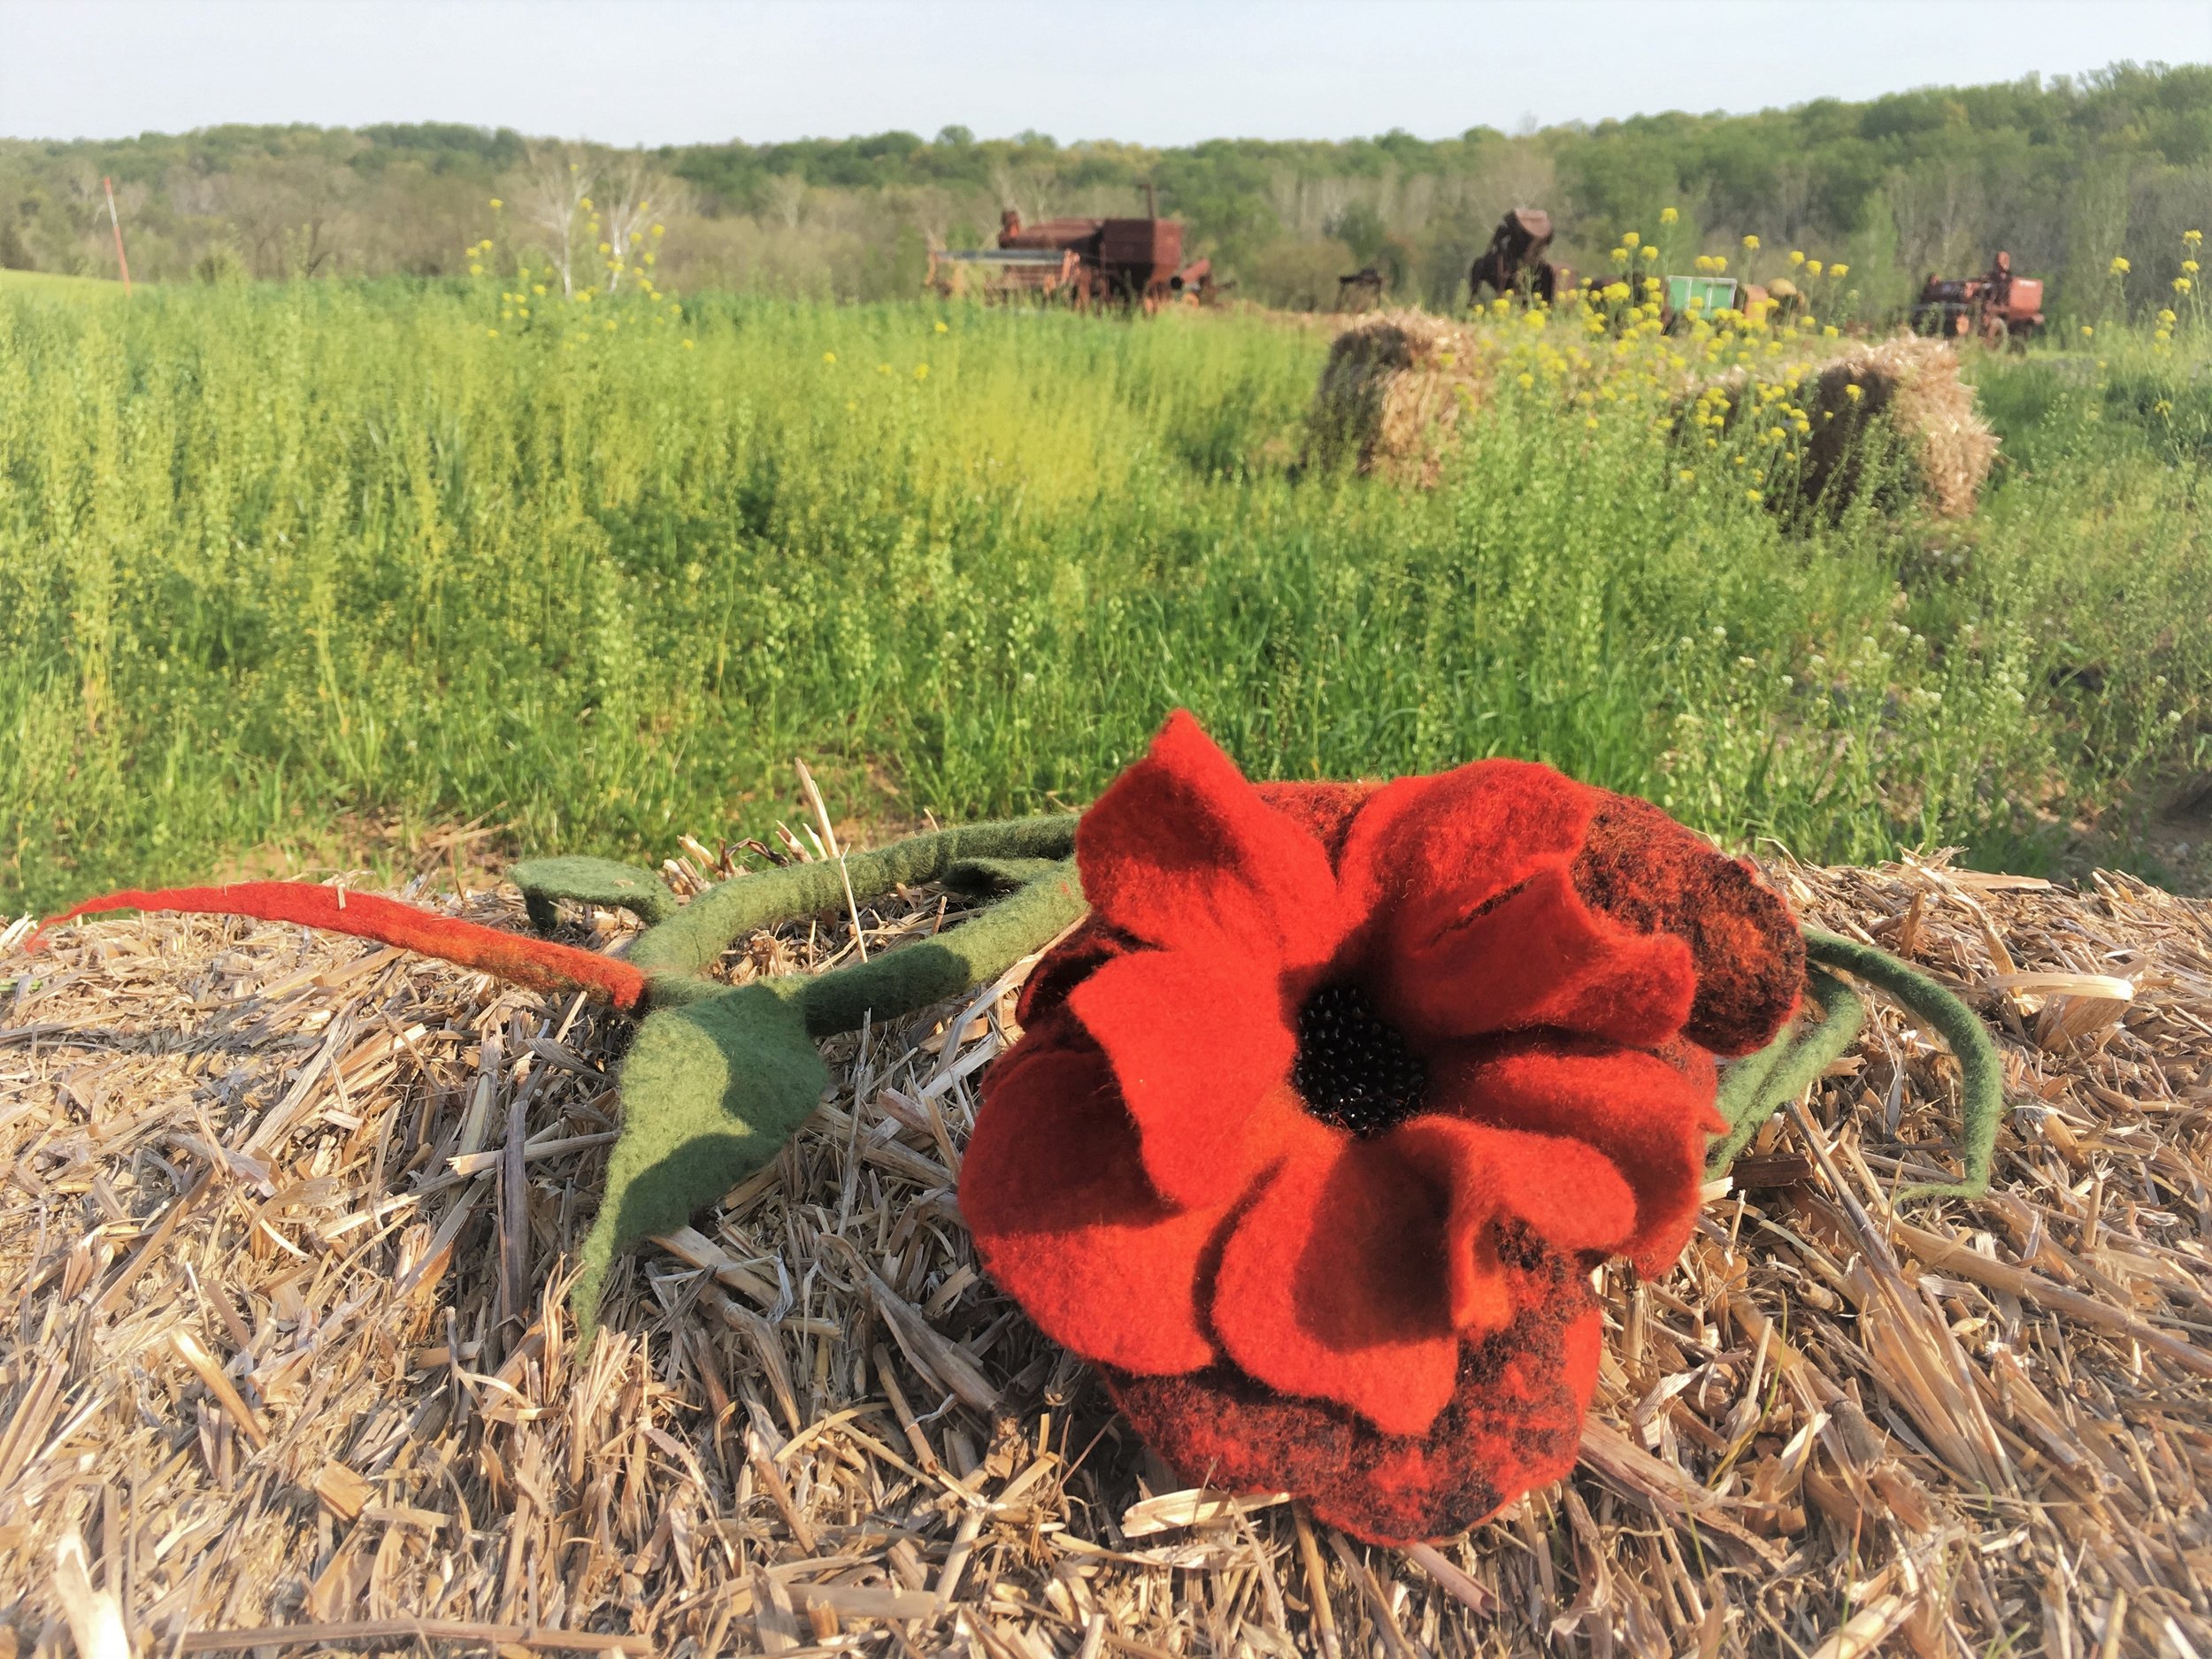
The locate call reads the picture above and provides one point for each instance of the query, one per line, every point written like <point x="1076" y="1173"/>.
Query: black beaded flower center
<point x="1352" y="1069"/>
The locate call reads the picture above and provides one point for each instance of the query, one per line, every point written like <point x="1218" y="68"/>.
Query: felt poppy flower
<point x="1322" y="1117"/>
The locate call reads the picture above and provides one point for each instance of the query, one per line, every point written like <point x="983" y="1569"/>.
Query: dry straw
<point x="285" y="1219"/>
<point x="1392" y="393"/>
<point x="1912" y="385"/>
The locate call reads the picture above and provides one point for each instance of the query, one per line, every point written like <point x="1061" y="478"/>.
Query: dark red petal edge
<point x="1648" y="872"/>
<point x="1514" y="1423"/>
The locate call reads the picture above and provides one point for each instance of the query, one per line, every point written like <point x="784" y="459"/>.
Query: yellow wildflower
<point x="1854" y="391"/>
<point x="2119" y="265"/>
<point x="2189" y="266"/>
<point x="1618" y="255"/>
<point x="2181" y="285"/>
<point x="1649" y="251"/>
<point x="497" y="204"/>
<point x="1839" y="270"/>
<point x="1812" y="267"/>
<point x="1667" y="216"/>
<point x="829" y="356"/>
<point x="921" y="370"/>
<point x="1751" y="244"/>
<point x="1629" y="239"/>
<point x="940" y="328"/>
<point x="2088" y="332"/>
<point x="2192" y="237"/>
<point x="1796" y="257"/>
<point x="1525" y="381"/>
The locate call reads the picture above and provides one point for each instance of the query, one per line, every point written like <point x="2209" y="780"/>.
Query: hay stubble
<point x="287" y="1218"/>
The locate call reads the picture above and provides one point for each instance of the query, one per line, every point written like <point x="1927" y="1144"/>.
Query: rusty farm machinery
<point x="1996" y="307"/>
<point x="1127" y="263"/>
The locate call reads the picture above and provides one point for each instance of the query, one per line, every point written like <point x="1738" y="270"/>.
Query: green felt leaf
<point x="590" y="881"/>
<point x="711" y="1092"/>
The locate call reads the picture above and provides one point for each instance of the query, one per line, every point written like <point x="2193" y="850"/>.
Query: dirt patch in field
<point x="288" y="1218"/>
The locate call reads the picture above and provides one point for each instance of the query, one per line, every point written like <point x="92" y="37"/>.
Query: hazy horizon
<point x="688" y="71"/>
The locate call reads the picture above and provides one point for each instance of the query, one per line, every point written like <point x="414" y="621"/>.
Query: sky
<point x="651" y="72"/>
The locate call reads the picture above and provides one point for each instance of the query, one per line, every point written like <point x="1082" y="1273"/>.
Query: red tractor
<point x="1995" y="308"/>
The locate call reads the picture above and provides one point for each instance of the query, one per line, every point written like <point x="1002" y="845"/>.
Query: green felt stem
<point x="600" y="881"/>
<point x="1757" y="1086"/>
<point x="692" y="938"/>
<point x="981" y="875"/>
<point x="1980" y="1071"/>
<point x="953" y="964"/>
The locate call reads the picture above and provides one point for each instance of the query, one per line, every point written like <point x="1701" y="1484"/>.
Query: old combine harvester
<point x="1128" y="263"/>
<point x="1995" y="308"/>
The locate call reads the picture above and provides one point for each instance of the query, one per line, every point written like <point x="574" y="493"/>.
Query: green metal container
<point x="1708" y="293"/>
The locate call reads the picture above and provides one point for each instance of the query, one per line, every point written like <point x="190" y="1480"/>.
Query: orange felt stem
<point x="538" y="963"/>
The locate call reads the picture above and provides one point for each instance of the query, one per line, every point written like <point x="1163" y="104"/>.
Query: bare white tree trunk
<point x="553" y="195"/>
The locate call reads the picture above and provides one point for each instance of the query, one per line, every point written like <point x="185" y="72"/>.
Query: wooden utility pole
<point x="115" y="220"/>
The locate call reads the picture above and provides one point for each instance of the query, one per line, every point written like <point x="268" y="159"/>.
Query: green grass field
<point x="51" y="286"/>
<point x="275" y="559"/>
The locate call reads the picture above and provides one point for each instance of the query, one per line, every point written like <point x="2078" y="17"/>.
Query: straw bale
<point x="1913" y="385"/>
<point x="285" y="1221"/>
<point x="1392" y="393"/>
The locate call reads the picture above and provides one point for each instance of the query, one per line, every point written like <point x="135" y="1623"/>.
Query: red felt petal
<point x="1541" y="956"/>
<point x="1649" y="1118"/>
<point x="1513" y="1424"/>
<point x="1332" y="1284"/>
<point x="1065" y="1220"/>
<point x="1564" y="1190"/>
<point x="1650" y="873"/>
<point x="1067" y="965"/>
<point x="1181" y="851"/>
<point x="1425" y="853"/>
<point x="1196" y="1050"/>
<point x="1325" y="809"/>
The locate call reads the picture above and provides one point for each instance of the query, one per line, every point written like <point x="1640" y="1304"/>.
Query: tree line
<point x="2067" y="172"/>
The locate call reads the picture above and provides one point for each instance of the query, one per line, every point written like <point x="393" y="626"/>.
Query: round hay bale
<point x="1391" y="396"/>
<point x="1911" y="385"/>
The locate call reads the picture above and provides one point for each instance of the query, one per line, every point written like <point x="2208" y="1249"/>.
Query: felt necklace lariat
<point x="1328" y="1096"/>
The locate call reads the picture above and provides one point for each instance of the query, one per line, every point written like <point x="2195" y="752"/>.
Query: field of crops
<point x="277" y="562"/>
